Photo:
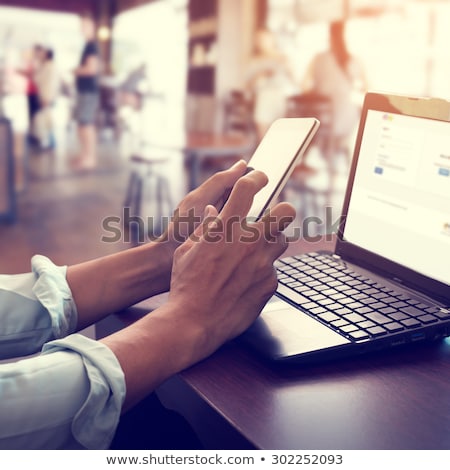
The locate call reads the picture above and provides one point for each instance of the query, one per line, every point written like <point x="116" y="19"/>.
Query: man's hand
<point x="190" y="212"/>
<point x="223" y="275"/>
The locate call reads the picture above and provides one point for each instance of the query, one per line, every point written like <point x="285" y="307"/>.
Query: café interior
<point x="178" y="102"/>
<point x="176" y="106"/>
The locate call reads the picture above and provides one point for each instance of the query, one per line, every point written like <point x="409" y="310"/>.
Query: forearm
<point x="154" y="348"/>
<point x="109" y="284"/>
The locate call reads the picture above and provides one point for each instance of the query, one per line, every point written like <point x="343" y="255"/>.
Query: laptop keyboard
<point x="354" y="305"/>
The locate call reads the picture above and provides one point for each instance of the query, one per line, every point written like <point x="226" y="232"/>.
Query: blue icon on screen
<point x="378" y="170"/>
<point x="444" y="171"/>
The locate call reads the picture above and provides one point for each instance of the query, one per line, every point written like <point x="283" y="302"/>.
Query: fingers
<point x="213" y="189"/>
<point x="209" y="216"/>
<point x="242" y="195"/>
<point x="278" y="219"/>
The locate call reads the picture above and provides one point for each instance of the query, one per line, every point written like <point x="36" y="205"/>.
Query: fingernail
<point x="208" y="211"/>
<point x="238" y="163"/>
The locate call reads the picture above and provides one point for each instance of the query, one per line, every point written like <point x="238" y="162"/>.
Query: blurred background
<point x="185" y="88"/>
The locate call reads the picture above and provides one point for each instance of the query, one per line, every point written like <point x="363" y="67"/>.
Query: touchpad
<point x="283" y="331"/>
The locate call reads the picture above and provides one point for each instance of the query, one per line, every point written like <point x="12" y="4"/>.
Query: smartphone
<point x="280" y="150"/>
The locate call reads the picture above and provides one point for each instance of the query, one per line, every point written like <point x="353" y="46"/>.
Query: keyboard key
<point x="403" y="297"/>
<point x="368" y="301"/>
<point x="399" y="304"/>
<point x="428" y="318"/>
<point x="326" y="302"/>
<point x="390" y="300"/>
<point x="317" y="310"/>
<point x="292" y="295"/>
<point x="398" y="316"/>
<point x="330" y="271"/>
<point x="358" y="335"/>
<point x="393" y="327"/>
<point x="378" y="305"/>
<point x="413" y="311"/>
<point x="380" y="295"/>
<point x="349" y="328"/>
<point x="337" y="296"/>
<point x="317" y="297"/>
<point x="288" y="260"/>
<point x="339" y="323"/>
<point x="354" y="318"/>
<point x="328" y="317"/>
<point x="387" y="310"/>
<point x="344" y="288"/>
<point x="334" y="306"/>
<point x="432" y="309"/>
<point x="376" y="331"/>
<point x="361" y="296"/>
<point x="370" y="291"/>
<point x="364" y="310"/>
<point x="355" y="305"/>
<point x="321" y="288"/>
<point x="313" y="283"/>
<point x="386" y="289"/>
<point x="293" y="284"/>
<point x="351" y="292"/>
<point x="410" y="323"/>
<point x="442" y="314"/>
<point x="330" y="292"/>
<point x="366" y="324"/>
<point x="422" y="306"/>
<point x="310" y="305"/>
<point x="319" y="275"/>
<point x="309" y="293"/>
<point x="343" y="311"/>
<point x="378" y="318"/>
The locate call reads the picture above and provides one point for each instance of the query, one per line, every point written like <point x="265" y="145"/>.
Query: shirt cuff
<point x="53" y="292"/>
<point x="96" y="421"/>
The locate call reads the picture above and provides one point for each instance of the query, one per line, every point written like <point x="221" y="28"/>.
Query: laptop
<point x="387" y="282"/>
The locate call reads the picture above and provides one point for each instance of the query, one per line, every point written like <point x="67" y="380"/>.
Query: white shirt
<point x="70" y="395"/>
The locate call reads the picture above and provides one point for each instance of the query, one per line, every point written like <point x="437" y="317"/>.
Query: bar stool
<point x="147" y="184"/>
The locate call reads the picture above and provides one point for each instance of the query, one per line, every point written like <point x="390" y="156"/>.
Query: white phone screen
<point x="277" y="155"/>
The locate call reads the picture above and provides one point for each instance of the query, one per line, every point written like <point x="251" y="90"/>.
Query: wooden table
<point x="199" y="146"/>
<point x="394" y="400"/>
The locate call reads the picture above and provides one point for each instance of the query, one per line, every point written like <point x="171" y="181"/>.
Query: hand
<point x="223" y="275"/>
<point x="190" y="212"/>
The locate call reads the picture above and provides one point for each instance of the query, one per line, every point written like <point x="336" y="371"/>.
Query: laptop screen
<point x="399" y="206"/>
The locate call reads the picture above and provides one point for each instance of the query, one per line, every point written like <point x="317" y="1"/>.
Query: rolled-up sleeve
<point x="35" y="308"/>
<point x="70" y="396"/>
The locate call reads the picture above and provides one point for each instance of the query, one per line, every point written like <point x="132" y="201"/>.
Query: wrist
<point x="154" y="261"/>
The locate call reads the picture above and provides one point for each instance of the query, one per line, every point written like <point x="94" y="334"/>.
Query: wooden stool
<point x="144" y="179"/>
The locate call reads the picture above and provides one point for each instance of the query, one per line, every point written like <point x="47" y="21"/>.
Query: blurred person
<point x="33" y="61"/>
<point x="88" y="97"/>
<point x="269" y="81"/>
<point x="47" y="81"/>
<point x="339" y="76"/>
<point x="15" y="108"/>
<point x="72" y="395"/>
